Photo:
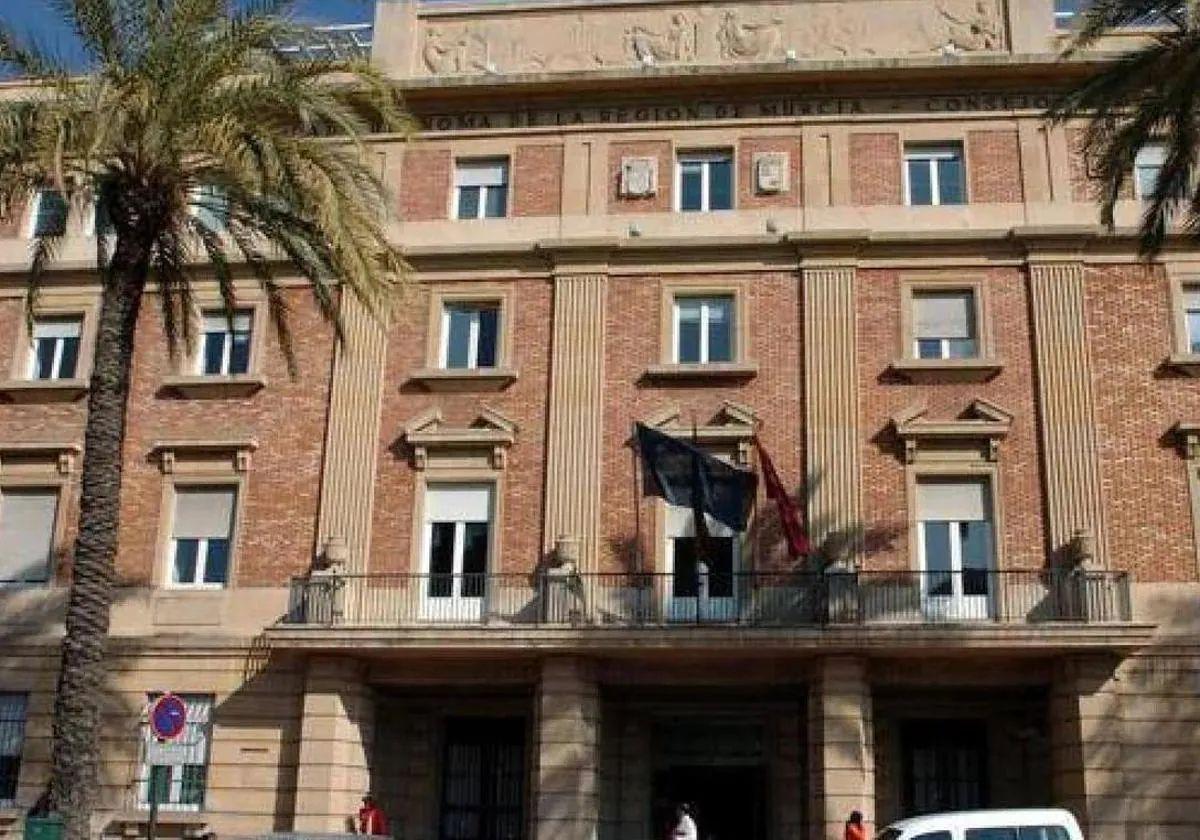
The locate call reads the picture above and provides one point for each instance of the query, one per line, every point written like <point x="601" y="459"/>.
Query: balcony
<point x="747" y="600"/>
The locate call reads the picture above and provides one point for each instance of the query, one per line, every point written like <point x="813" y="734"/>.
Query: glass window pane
<point x="950" y="180"/>
<point x="961" y="348"/>
<point x="69" y="359"/>
<point x="441" y="559"/>
<point x="1193" y="321"/>
<point x="1147" y="181"/>
<point x="214" y="351"/>
<point x="720" y="330"/>
<point x="684" y="583"/>
<point x="51" y="214"/>
<point x="976" y="556"/>
<point x="216" y="567"/>
<point x="489" y="320"/>
<point x="44" y="353"/>
<point x="920" y="189"/>
<point x="497" y="202"/>
<point x="474" y="562"/>
<point x="929" y="348"/>
<point x="690" y="187"/>
<point x="720" y="567"/>
<point x="159" y="783"/>
<point x="239" y="355"/>
<point x="688" y="315"/>
<point x="720" y="185"/>
<point x="937" y="557"/>
<point x="1004" y="833"/>
<point x="191" y="789"/>
<point x="468" y="202"/>
<point x="458" y="346"/>
<point x="184" y="570"/>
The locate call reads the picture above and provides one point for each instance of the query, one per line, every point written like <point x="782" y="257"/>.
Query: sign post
<point x="167" y="717"/>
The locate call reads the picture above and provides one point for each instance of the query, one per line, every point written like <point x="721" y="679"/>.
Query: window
<point x="934" y="175"/>
<point x="1066" y="11"/>
<point x="200" y="542"/>
<point x="1147" y="166"/>
<point x="955" y="546"/>
<point x="702" y="586"/>
<point x="1191" y="312"/>
<point x="12" y="741"/>
<point x="225" y="349"/>
<point x="457" y="541"/>
<point x="944" y="767"/>
<point x="481" y="189"/>
<point x="703" y="329"/>
<point x="55" y="350"/>
<point x="704" y="182"/>
<point x="944" y="325"/>
<point x="470" y="332"/>
<point x="176" y="774"/>
<point x="210" y="207"/>
<point x="27" y="516"/>
<point x="49" y="217"/>
<point x="933" y="835"/>
<point x="483" y="779"/>
<point x="993" y="833"/>
<point x="1043" y="832"/>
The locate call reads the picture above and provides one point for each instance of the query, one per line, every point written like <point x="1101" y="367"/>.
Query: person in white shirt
<point x="685" y="826"/>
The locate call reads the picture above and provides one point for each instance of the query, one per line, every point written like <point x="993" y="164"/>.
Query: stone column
<point x="352" y="435"/>
<point x="568" y="711"/>
<point x="573" y="446"/>
<point x="1086" y="738"/>
<point x="336" y="737"/>
<point x="1068" y="424"/>
<point x="841" y="746"/>
<point x="831" y="383"/>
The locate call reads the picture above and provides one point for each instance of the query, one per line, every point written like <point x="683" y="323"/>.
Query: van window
<point x="1044" y="832"/>
<point x="888" y="834"/>
<point x="999" y="833"/>
<point x="933" y="835"/>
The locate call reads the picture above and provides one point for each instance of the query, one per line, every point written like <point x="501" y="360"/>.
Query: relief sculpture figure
<point x="678" y="43"/>
<point x="761" y="41"/>
<point x="977" y="29"/>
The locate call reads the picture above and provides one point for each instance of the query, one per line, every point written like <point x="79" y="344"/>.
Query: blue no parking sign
<point x="168" y="717"/>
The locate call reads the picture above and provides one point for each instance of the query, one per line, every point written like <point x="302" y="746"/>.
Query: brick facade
<point x="748" y="198"/>
<point x="660" y="202"/>
<point x="537" y="180"/>
<point x="994" y="160"/>
<point x="425" y="184"/>
<point x="875" y="163"/>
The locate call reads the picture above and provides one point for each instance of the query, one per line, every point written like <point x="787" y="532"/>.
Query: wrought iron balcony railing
<point x="754" y="599"/>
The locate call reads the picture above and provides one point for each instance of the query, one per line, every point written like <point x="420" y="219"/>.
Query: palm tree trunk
<point x="74" y="769"/>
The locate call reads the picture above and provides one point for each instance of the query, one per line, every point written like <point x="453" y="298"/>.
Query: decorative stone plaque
<point x="639" y="176"/>
<point x="771" y="173"/>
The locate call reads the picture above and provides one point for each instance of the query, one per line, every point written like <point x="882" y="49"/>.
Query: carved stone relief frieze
<point x="572" y="39"/>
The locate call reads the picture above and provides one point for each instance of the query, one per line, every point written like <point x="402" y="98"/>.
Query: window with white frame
<point x="27" y="517"/>
<point x="54" y="353"/>
<point x="225" y="345"/>
<point x="704" y="181"/>
<point x="1191" y="316"/>
<point x="955" y="541"/>
<point x="201" y="536"/>
<point x="1147" y="168"/>
<point x="934" y="174"/>
<point x="458" y="522"/>
<point x="210" y="206"/>
<point x="470" y="335"/>
<point x="176" y="773"/>
<point x="481" y="189"/>
<point x="703" y="329"/>
<point x="944" y="324"/>
<point x="13" y="710"/>
<point x="700" y="571"/>
<point x="49" y="216"/>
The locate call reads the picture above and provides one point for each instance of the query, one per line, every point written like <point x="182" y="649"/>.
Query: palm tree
<point x="184" y="102"/>
<point x="1149" y="94"/>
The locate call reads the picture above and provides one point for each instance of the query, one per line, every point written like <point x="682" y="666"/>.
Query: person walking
<point x="855" y="830"/>
<point x="685" y="826"/>
<point x="370" y="817"/>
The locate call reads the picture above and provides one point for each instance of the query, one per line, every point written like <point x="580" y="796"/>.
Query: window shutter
<point x="12" y="724"/>
<point x="954" y="500"/>
<point x="489" y="174"/>
<point x="943" y="315"/>
<point x="458" y="503"/>
<point x="57" y="328"/>
<point x="204" y="512"/>
<point x="26" y="533"/>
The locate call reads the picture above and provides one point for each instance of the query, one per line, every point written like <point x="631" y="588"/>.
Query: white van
<point x="1008" y="824"/>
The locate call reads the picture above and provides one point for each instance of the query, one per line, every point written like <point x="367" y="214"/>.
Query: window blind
<point x="57" y="328"/>
<point x="953" y="500"/>
<point x="26" y="533"/>
<point x="458" y="503"/>
<point x="204" y="512"/>
<point x="943" y="315"/>
<point x="481" y="174"/>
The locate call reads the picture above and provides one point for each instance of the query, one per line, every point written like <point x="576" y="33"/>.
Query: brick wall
<point x="1084" y="185"/>
<point x="748" y="147"/>
<point x="11" y="222"/>
<point x="1144" y="478"/>
<point x="425" y="184"/>
<point x="524" y="402"/>
<point x="659" y="202"/>
<point x="875" y="169"/>
<point x="537" y="180"/>
<point x="994" y="158"/>
<point x="884" y="502"/>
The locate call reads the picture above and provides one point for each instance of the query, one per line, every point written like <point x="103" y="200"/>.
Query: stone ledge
<point x="947" y="370"/>
<point x="1185" y="363"/>
<point x="463" y="379"/>
<point x="715" y="370"/>
<point x="196" y="386"/>
<point x="42" y="390"/>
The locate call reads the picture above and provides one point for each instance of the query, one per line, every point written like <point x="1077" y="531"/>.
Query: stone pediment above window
<point x="731" y="429"/>
<point x="39" y="456"/>
<point x="976" y="433"/>
<point x="204" y="454"/>
<point x="488" y="436"/>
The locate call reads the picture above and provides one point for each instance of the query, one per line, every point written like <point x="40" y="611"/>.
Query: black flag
<point x="689" y="477"/>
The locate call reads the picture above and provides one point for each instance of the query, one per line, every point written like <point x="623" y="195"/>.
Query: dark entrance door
<point x="945" y="765"/>
<point x="483" y="779"/>
<point x="729" y="802"/>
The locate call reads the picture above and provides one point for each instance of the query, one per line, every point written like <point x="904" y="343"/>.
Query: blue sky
<point x="36" y="18"/>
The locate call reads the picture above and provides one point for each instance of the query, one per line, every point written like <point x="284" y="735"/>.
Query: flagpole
<point x="637" y="503"/>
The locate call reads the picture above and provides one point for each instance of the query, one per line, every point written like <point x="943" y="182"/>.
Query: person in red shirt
<point x="370" y="817"/>
<point x="855" y="830"/>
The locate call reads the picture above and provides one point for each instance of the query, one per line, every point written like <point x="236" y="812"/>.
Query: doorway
<point x="483" y="779"/>
<point x="728" y="803"/>
<point x="945" y="766"/>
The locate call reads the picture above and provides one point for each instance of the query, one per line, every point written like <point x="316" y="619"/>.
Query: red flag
<point x="789" y="516"/>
